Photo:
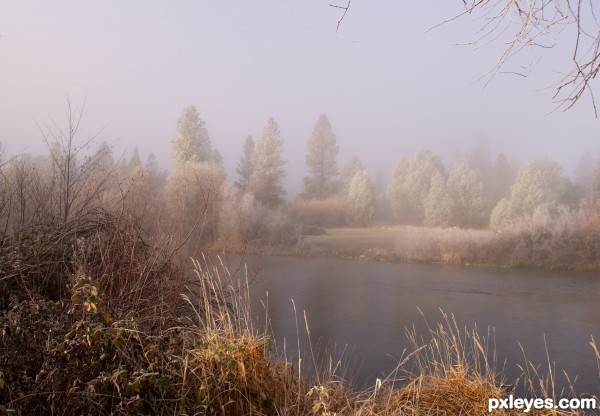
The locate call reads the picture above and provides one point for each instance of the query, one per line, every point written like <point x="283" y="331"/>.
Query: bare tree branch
<point x="534" y="25"/>
<point x="345" y="8"/>
<point x="539" y="24"/>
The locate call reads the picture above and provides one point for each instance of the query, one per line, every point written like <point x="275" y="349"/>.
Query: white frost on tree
<point x="192" y="143"/>
<point x="502" y="215"/>
<point x="352" y="166"/>
<point x="439" y="207"/>
<point x="362" y="198"/>
<point x="266" y="181"/>
<point x="466" y="190"/>
<point x="321" y="161"/>
<point x="411" y="180"/>
<point x="245" y="166"/>
<point x="539" y="182"/>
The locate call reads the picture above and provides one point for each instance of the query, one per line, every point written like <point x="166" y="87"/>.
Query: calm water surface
<point x="367" y="307"/>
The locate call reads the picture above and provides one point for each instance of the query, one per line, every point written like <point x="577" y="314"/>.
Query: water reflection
<point x="368" y="306"/>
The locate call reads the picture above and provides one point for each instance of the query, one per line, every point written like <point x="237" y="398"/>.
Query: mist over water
<point x="366" y="308"/>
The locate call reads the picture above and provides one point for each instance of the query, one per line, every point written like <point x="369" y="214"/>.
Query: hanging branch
<point x="345" y="8"/>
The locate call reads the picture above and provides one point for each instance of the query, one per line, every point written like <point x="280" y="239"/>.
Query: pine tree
<point x="321" y="161"/>
<point x="266" y="181"/>
<point x="152" y="164"/>
<point x="192" y="142"/>
<point x="135" y="160"/>
<point x="245" y="166"/>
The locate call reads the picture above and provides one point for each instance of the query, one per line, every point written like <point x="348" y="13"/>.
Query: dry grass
<point x="570" y="242"/>
<point x="217" y="360"/>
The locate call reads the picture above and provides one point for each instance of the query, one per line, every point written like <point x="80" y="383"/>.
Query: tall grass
<point x="86" y="355"/>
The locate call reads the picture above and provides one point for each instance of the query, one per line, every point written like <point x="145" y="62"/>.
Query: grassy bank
<point x="101" y="322"/>
<point x="567" y="244"/>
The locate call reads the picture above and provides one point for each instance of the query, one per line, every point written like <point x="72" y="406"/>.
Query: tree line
<point x="197" y="200"/>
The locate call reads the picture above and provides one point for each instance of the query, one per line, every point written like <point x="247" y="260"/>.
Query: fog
<point x="388" y="85"/>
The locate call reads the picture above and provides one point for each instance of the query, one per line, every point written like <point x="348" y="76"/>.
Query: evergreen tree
<point x="266" y="181"/>
<point x="321" y="161"/>
<point x="156" y="177"/>
<point x="152" y="164"/>
<point x="135" y="160"/>
<point x="361" y="197"/>
<point x="192" y="142"/>
<point x="245" y="166"/>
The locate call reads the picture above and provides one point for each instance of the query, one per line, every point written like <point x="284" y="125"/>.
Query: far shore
<point x="414" y="244"/>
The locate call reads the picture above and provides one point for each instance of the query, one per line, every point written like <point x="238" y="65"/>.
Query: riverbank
<point x="94" y="320"/>
<point x="526" y="246"/>
<point x="84" y="356"/>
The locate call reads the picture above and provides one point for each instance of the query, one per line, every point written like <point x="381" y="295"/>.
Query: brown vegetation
<point x="330" y="212"/>
<point x="569" y="242"/>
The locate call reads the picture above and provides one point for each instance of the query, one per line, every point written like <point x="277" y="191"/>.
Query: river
<point x="365" y="308"/>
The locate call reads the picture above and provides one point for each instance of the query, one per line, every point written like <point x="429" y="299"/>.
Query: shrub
<point x="330" y="212"/>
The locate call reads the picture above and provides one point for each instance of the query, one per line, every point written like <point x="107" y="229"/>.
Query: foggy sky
<point x="388" y="87"/>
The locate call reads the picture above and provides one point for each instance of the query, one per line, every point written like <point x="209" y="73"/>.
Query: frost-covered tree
<point x="321" y="161"/>
<point x="352" y="166"/>
<point x="245" y="166"/>
<point x="538" y="182"/>
<point x="439" y="206"/>
<point x="362" y="198"/>
<point x="466" y="190"/>
<point x="266" y="181"/>
<point x="192" y="143"/>
<point x="397" y="192"/>
<point x="411" y="180"/>
<point x="502" y="214"/>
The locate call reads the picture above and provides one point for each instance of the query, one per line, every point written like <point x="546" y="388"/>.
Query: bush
<point x="330" y="212"/>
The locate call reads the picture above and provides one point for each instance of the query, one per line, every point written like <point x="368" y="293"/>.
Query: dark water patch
<point x="367" y="306"/>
